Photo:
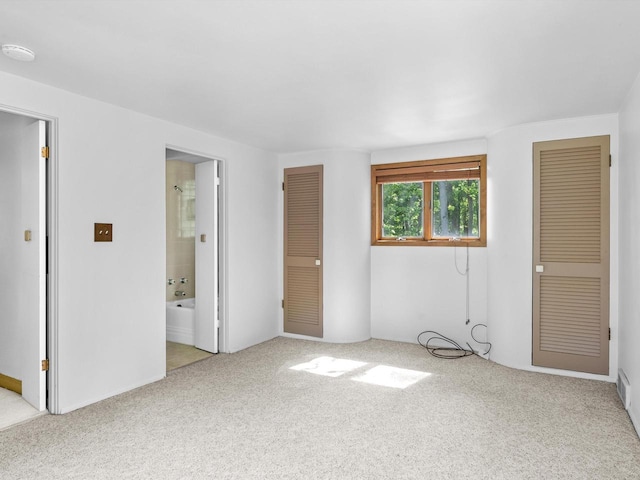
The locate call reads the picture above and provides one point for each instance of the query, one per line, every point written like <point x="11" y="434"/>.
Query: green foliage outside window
<point x="461" y="215"/>
<point x="402" y="214"/>
<point x="402" y="210"/>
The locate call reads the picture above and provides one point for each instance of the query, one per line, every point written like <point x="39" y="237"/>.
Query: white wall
<point x="11" y="241"/>
<point x="510" y="233"/>
<point x="111" y="168"/>
<point x="629" y="197"/>
<point x="111" y="296"/>
<point x="346" y="208"/>
<point x="418" y="288"/>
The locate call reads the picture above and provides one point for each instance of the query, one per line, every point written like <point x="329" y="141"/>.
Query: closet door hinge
<point x="609" y="160"/>
<point x="609" y="333"/>
<point x="283" y="303"/>
<point x="45" y="365"/>
<point x="283" y="186"/>
<point x="44" y="152"/>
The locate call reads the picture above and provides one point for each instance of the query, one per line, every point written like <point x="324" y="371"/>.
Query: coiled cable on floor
<point x="455" y="350"/>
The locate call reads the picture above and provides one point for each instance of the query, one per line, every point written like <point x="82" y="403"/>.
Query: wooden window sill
<point x="429" y="243"/>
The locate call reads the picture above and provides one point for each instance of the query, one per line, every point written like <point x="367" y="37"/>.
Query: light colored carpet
<point x="250" y="415"/>
<point x="14" y="410"/>
<point x="179" y="355"/>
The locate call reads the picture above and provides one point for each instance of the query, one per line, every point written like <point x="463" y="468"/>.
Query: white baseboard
<point x="181" y="335"/>
<point x="133" y="386"/>
<point x="635" y="420"/>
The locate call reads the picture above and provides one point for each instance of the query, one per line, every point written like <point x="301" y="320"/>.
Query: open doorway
<point x="193" y="256"/>
<point x="23" y="260"/>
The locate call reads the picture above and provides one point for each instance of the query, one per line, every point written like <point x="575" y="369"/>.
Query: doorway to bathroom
<point x="193" y="257"/>
<point x="24" y="261"/>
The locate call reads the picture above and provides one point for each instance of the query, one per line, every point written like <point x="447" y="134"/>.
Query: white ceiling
<point x="303" y="75"/>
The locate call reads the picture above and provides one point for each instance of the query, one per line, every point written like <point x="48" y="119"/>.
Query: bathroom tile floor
<point x="179" y="355"/>
<point x="14" y="410"/>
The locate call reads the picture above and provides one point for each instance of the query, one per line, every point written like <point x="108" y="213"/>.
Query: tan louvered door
<point x="303" y="250"/>
<point x="571" y="254"/>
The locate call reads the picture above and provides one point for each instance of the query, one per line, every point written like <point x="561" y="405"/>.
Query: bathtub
<point x="181" y="321"/>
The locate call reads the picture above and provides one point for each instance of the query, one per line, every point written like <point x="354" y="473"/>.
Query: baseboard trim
<point x="635" y="421"/>
<point x="113" y="393"/>
<point x="11" y="383"/>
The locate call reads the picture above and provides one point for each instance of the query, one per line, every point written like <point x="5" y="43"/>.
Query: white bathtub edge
<point x="180" y="335"/>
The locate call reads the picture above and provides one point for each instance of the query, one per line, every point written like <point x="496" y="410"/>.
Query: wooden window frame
<point x="428" y="171"/>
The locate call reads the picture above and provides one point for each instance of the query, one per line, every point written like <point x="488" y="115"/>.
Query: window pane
<point x="402" y="209"/>
<point x="456" y="208"/>
<point x="187" y="209"/>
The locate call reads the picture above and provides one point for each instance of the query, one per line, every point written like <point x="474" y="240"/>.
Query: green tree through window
<point x="402" y="209"/>
<point x="459" y="217"/>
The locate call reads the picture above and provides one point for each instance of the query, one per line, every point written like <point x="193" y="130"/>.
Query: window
<point x="429" y="202"/>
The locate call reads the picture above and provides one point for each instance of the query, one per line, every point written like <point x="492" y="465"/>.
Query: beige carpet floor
<point x="292" y="409"/>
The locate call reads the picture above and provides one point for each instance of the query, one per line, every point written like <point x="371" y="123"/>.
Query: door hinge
<point x="283" y="303"/>
<point x="45" y="365"/>
<point x="283" y="186"/>
<point x="609" y="160"/>
<point x="609" y="334"/>
<point x="44" y="152"/>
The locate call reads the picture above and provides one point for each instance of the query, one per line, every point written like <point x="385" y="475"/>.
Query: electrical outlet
<point x="102" y="232"/>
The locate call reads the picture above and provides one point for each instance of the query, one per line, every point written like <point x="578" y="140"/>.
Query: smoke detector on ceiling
<point x="18" y="53"/>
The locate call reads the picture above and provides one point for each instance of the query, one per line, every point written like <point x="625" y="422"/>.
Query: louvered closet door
<point x="303" y="250"/>
<point x="571" y="255"/>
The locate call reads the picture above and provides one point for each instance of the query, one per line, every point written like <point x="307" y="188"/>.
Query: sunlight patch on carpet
<point x="329" y="366"/>
<point x="393" y="377"/>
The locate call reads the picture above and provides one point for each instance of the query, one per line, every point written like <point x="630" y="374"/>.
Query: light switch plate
<point x="102" y="232"/>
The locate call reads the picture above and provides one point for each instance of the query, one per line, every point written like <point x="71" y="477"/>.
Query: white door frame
<point x="52" y="394"/>
<point x="223" y="338"/>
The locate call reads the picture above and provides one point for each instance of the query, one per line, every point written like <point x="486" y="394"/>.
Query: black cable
<point x="478" y="341"/>
<point x="453" y="352"/>
<point x="439" y="351"/>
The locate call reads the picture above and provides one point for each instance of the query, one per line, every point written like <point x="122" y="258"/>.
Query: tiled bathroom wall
<point x="181" y="228"/>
